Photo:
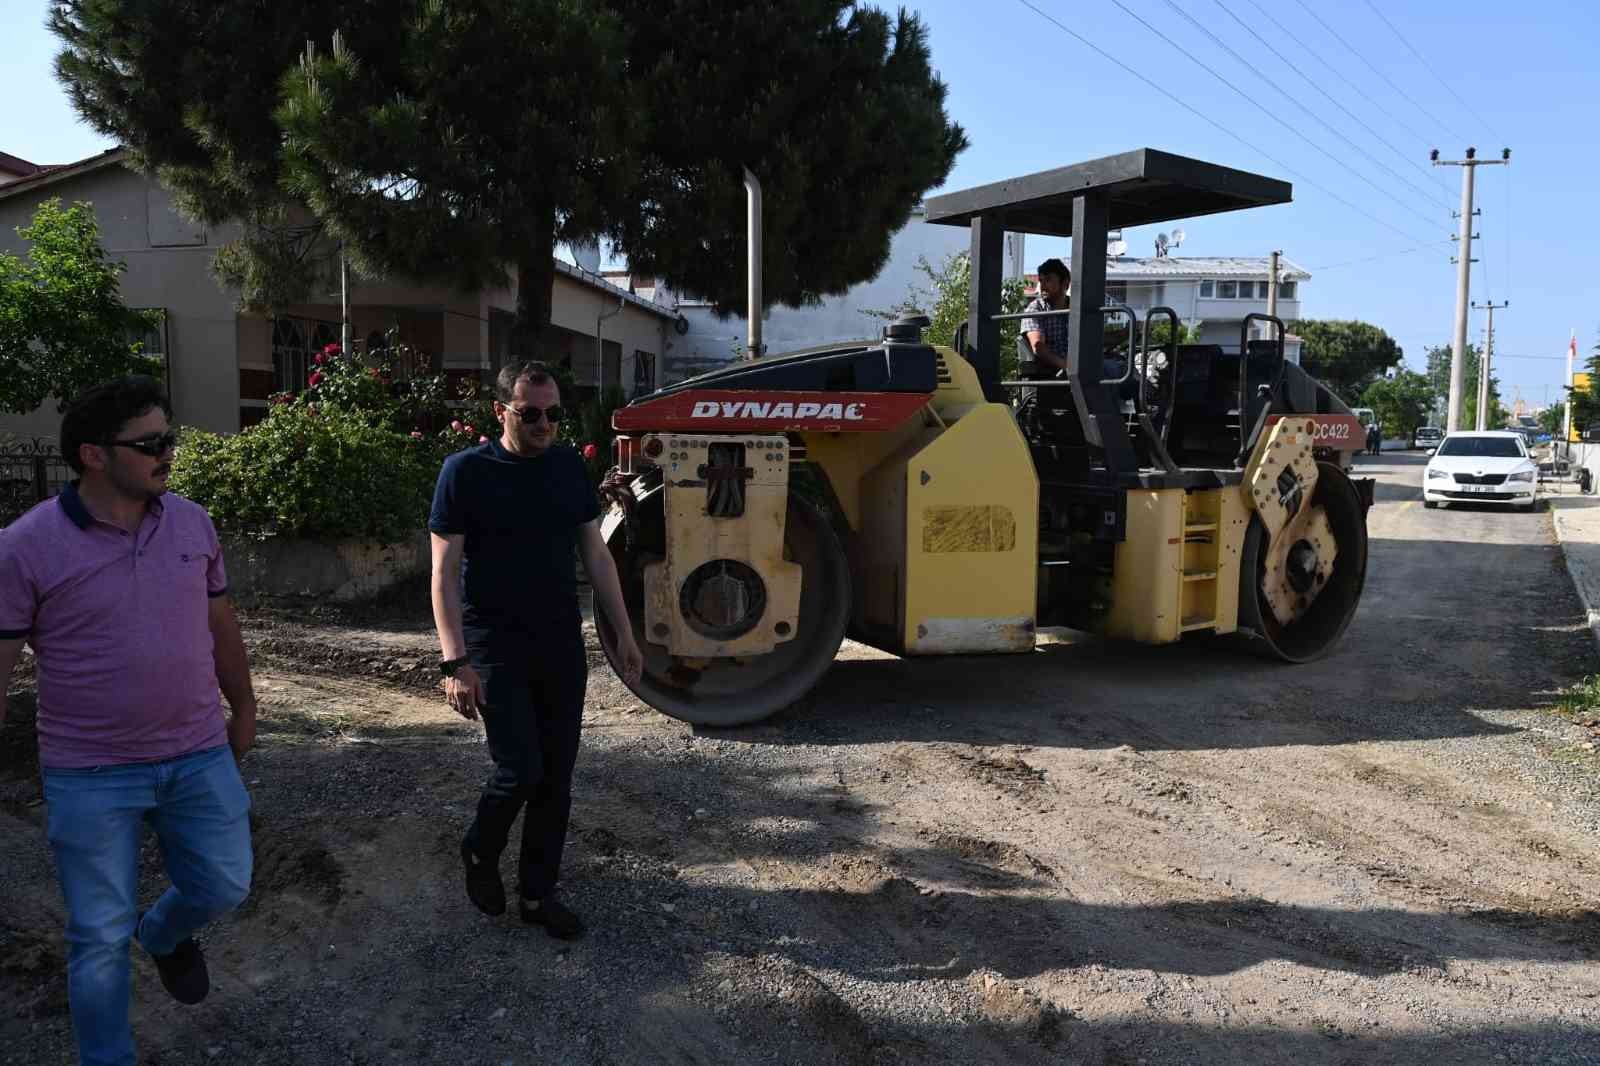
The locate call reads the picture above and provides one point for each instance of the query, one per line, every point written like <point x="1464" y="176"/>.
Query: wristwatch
<point x="449" y="667"/>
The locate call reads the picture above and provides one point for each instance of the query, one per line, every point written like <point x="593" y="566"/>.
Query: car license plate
<point x="1478" y="488"/>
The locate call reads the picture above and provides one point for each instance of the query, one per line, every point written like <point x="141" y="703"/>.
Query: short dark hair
<point x="100" y="413"/>
<point x="505" y="382"/>
<point x="1056" y="267"/>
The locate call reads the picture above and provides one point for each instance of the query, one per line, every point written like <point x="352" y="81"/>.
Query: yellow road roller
<point x="906" y="496"/>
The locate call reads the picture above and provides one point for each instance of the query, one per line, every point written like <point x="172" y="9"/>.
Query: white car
<point x="1481" y="468"/>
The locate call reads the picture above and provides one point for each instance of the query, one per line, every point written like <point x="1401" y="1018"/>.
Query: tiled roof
<point x="49" y="175"/>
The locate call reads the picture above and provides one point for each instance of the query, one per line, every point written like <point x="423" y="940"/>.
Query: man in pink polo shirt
<point x="118" y="586"/>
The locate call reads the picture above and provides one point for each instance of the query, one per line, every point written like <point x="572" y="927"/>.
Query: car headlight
<point x="1432" y="473"/>
<point x="1521" y="475"/>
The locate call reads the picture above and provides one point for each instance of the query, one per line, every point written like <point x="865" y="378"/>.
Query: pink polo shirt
<point x="119" y="624"/>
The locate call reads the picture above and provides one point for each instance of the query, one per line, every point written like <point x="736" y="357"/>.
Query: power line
<point x="1316" y="54"/>
<point x="1403" y="94"/>
<point x="1426" y="172"/>
<point x="1220" y="43"/>
<point x="1383" y="255"/>
<point x="1208" y="119"/>
<point x="1428" y="67"/>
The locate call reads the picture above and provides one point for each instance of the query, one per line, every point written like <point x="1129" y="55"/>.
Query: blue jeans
<point x="200" y="812"/>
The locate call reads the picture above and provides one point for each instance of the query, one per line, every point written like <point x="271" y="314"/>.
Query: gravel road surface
<point x="1092" y="854"/>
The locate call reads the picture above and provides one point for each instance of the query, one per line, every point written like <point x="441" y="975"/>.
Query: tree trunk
<point x="536" y="278"/>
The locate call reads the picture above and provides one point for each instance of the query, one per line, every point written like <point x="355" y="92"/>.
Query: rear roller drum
<point x="729" y="692"/>
<point x="1323" y="607"/>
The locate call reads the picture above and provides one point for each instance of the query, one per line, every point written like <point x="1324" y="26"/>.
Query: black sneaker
<point x="484" y="887"/>
<point x="183" y="972"/>
<point x="557" y="920"/>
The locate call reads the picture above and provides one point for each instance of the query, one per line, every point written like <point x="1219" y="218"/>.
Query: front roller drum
<point x="736" y="691"/>
<point x="1332" y="602"/>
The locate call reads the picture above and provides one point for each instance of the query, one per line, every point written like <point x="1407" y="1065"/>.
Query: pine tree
<point x="461" y="140"/>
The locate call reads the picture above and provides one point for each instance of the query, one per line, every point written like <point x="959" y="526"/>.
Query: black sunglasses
<point x="154" y="447"/>
<point x="531" y="415"/>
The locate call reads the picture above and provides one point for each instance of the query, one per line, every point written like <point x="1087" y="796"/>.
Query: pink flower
<point x="319" y="359"/>
<point x="416" y="434"/>
<point x="332" y="349"/>
<point x="316" y="378"/>
<point x="470" y="429"/>
<point x="483" y="440"/>
<point x="457" y="426"/>
<point x="372" y="371"/>
<point x="590" y="451"/>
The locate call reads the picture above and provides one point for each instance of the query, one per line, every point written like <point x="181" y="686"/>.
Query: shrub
<point x="311" y="471"/>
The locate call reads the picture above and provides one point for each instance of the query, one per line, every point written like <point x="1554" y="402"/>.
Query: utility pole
<point x="1464" y="260"/>
<point x="1566" y="419"/>
<point x="1486" y="364"/>
<point x="1272" y="285"/>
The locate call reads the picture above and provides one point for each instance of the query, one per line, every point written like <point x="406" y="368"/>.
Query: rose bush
<point x="324" y="473"/>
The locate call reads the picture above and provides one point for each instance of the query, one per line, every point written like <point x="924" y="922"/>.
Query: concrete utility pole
<point x="1459" y="346"/>
<point x="1566" y="419"/>
<point x="1272" y="285"/>
<point x="1486" y="363"/>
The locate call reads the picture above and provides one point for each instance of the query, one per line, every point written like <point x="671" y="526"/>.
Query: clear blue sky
<point x="1031" y="97"/>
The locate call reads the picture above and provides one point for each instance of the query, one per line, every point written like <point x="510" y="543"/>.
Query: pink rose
<point x="316" y="378"/>
<point x="319" y="358"/>
<point x="470" y="429"/>
<point x="590" y="451"/>
<point x="416" y="434"/>
<point x="332" y="349"/>
<point x="457" y="426"/>
<point x="483" y="440"/>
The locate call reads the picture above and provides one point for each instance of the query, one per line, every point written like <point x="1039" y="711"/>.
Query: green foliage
<point x="310" y="472"/>
<point x="1586" y="401"/>
<point x="1346" y="356"/>
<point x="1551" y="418"/>
<point x="1439" y="377"/>
<point x="1401" y="402"/>
<point x="63" y="326"/>
<point x="944" y="299"/>
<point x="451" y="139"/>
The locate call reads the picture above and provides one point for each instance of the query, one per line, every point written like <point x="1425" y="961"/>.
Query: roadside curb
<point x="1583" y="566"/>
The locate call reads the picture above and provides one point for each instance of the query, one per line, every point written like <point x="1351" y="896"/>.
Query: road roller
<point x="906" y="495"/>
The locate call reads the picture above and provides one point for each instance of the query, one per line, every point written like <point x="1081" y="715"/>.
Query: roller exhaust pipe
<point x="752" y="189"/>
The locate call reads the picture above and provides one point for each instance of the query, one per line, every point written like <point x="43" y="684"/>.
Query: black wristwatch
<point x="449" y="667"/>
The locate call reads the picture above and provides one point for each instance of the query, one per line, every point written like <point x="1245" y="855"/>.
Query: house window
<point x="1116" y="292"/>
<point x="294" y="342"/>
<point x="153" y="344"/>
<point x="1227" y="290"/>
<point x="1286" y="290"/>
<point x="1207" y="290"/>
<point x="644" y="372"/>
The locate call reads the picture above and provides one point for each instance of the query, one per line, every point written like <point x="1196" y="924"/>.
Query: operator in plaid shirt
<point x="1047" y="336"/>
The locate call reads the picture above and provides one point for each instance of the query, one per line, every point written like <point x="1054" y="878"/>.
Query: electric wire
<point x="1426" y="172"/>
<point x="1220" y="43"/>
<point x="1211" y="121"/>
<point x="1402" y="93"/>
<point x="1383" y="255"/>
<point x="1253" y="101"/>
<point x="1444" y="188"/>
<point x="1429" y="67"/>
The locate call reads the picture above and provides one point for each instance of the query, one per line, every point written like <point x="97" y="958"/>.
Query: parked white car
<point x="1481" y="468"/>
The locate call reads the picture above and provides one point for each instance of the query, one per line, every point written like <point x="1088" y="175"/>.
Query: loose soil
<point x="1091" y="854"/>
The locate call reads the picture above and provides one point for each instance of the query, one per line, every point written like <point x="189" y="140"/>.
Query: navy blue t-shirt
<point x="520" y="518"/>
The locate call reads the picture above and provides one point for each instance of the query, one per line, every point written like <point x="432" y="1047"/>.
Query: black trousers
<point x="534" y="691"/>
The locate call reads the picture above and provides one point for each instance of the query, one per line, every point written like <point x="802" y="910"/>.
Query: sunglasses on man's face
<point x="531" y="415"/>
<point x="154" y="447"/>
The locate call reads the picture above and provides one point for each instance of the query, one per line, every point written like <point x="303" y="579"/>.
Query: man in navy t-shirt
<point x="508" y="518"/>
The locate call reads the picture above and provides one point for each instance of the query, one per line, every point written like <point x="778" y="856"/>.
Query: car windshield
<point x="1482" y="447"/>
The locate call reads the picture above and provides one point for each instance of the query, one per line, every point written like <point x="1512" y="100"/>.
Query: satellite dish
<point x="1116" y="248"/>
<point x="1177" y="237"/>
<point x="587" y="256"/>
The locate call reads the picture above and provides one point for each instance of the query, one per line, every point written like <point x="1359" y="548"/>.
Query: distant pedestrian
<point x="119" y="587"/>
<point x="1374" y="439"/>
<point x="517" y="510"/>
